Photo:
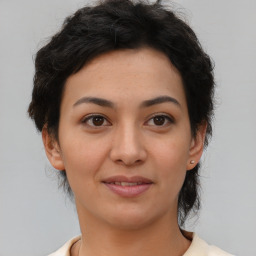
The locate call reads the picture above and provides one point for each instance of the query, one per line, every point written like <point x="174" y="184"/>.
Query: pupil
<point x="159" y="120"/>
<point x="98" y="120"/>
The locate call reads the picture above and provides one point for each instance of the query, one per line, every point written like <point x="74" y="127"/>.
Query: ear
<point x="52" y="150"/>
<point x="197" y="147"/>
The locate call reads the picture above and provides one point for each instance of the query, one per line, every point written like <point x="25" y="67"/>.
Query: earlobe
<point x="197" y="147"/>
<point x="52" y="150"/>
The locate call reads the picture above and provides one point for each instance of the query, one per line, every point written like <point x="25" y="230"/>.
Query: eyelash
<point x="167" y="118"/>
<point x="89" y="118"/>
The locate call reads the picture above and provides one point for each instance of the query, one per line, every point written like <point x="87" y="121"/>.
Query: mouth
<point x="128" y="186"/>
<point x="123" y="183"/>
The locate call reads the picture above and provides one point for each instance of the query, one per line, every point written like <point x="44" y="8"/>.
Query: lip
<point x="128" y="190"/>
<point x="133" y="179"/>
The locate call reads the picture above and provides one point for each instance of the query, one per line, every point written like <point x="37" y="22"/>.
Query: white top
<point x="198" y="247"/>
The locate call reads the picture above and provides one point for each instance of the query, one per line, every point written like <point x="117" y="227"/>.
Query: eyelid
<point x="168" y="117"/>
<point x="86" y="118"/>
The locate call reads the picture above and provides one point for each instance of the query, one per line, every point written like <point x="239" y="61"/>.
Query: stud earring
<point x="192" y="161"/>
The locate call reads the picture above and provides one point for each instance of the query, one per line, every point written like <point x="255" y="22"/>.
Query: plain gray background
<point x="36" y="218"/>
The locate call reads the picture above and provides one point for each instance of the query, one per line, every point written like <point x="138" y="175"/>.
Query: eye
<point x="160" y="120"/>
<point x="96" y="121"/>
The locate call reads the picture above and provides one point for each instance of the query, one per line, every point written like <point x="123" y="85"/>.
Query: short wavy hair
<point x="125" y="24"/>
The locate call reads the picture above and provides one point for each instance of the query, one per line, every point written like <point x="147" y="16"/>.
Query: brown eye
<point x="98" y="120"/>
<point x="159" y="120"/>
<point x="95" y="121"/>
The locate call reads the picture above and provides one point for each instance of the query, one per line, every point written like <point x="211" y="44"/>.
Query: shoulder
<point x="199" y="247"/>
<point x="65" y="249"/>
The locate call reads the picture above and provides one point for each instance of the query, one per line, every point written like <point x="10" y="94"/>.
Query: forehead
<point x="134" y="73"/>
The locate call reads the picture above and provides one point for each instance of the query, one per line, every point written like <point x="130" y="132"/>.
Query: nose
<point x="127" y="147"/>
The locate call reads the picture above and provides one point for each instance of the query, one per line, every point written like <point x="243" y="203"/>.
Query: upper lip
<point x="133" y="179"/>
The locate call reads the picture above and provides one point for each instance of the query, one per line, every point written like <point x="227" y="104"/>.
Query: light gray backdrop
<point x="35" y="217"/>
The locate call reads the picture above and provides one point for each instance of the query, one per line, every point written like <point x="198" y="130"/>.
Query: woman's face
<point x="124" y="138"/>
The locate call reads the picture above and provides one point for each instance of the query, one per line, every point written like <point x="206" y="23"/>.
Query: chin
<point x="131" y="219"/>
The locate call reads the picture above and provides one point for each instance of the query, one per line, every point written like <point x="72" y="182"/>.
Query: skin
<point x="126" y="140"/>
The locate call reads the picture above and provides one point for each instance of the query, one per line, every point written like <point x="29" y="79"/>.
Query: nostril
<point x="127" y="153"/>
<point x="128" y="162"/>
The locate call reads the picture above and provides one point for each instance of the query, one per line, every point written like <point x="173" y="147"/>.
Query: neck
<point x="162" y="237"/>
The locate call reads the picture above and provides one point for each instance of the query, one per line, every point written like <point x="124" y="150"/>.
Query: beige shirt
<point x="198" y="247"/>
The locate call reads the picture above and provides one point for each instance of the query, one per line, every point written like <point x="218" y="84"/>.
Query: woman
<point x="123" y="96"/>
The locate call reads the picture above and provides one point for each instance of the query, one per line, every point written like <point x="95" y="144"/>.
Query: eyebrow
<point x="109" y="104"/>
<point x="94" y="100"/>
<point x="159" y="100"/>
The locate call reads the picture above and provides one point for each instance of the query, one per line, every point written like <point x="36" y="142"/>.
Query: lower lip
<point x="128" y="191"/>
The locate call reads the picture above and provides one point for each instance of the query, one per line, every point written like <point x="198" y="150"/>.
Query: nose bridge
<point x="127" y="146"/>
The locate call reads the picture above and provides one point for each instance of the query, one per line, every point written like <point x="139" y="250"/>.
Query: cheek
<point x="172" y="154"/>
<point x="82" y="159"/>
<point x="171" y="161"/>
